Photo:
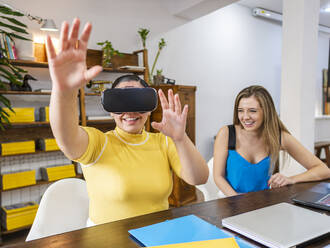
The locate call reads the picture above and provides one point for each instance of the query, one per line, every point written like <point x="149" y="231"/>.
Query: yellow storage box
<point x="18" y="179"/>
<point x="58" y="172"/>
<point x="21" y="147"/>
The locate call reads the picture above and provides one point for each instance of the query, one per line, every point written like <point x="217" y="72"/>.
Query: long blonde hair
<point x="271" y="127"/>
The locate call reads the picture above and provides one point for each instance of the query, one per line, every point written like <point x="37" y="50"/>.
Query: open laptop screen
<point x="318" y="196"/>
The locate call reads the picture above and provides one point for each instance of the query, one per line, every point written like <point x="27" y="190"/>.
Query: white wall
<point x="222" y="53"/>
<point x="113" y="20"/>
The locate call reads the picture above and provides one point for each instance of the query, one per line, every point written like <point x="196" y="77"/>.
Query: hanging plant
<point x="11" y="28"/>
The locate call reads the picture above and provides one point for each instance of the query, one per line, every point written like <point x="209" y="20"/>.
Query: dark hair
<point x="128" y="78"/>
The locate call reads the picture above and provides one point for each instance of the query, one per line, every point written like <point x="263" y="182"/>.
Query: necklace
<point x="131" y="144"/>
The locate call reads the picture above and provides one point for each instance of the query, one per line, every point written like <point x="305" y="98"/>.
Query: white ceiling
<point x="276" y="6"/>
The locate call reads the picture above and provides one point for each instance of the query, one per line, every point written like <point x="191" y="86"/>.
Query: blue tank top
<point x="242" y="175"/>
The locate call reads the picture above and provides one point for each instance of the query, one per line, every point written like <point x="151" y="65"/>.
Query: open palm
<point x="173" y="123"/>
<point x="68" y="68"/>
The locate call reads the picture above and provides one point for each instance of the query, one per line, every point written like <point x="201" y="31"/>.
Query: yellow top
<point x="128" y="174"/>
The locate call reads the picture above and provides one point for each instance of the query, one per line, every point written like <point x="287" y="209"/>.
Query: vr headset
<point x="119" y="100"/>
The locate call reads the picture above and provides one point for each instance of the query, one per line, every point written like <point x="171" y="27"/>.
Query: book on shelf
<point x="13" y="46"/>
<point x="47" y="145"/>
<point x="100" y="117"/>
<point x="20" y="147"/>
<point x="18" y="179"/>
<point x="21" y="115"/>
<point x="133" y="67"/>
<point x="9" y="45"/>
<point x="43" y="90"/>
<point x="18" y="215"/>
<point x="4" y="46"/>
<point x="57" y="172"/>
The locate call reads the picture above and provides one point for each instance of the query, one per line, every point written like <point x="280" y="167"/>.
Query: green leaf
<point x="14" y="28"/>
<point x="9" y="11"/>
<point x="14" y="21"/>
<point x="18" y="36"/>
<point x="5" y="101"/>
<point x="4" y="112"/>
<point x="4" y="118"/>
<point x="9" y="74"/>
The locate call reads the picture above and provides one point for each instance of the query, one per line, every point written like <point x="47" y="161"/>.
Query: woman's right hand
<point x="68" y="68"/>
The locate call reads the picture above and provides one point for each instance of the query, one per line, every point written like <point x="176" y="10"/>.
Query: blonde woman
<point x="246" y="153"/>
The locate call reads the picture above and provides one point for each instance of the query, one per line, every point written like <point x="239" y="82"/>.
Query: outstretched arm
<point x="316" y="169"/>
<point x="68" y="72"/>
<point x="219" y="162"/>
<point x="194" y="168"/>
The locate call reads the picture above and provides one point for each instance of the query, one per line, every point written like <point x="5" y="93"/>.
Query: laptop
<point x="282" y="225"/>
<point x="318" y="196"/>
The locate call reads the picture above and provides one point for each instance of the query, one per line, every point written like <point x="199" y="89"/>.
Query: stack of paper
<point x="58" y="172"/>
<point x="185" y="232"/>
<point x="47" y="145"/>
<point x="213" y="243"/>
<point x="21" y="115"/>
<point x="18" y="179"/>
<point x="21" y="147"/>
<point x="18" y="215"/>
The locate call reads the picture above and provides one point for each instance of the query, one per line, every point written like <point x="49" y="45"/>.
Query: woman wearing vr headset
<point x="246" y="153"/>
<point x="128" y="170"/>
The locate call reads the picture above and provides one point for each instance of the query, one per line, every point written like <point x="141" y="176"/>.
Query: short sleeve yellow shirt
<point x="128" y="174"/>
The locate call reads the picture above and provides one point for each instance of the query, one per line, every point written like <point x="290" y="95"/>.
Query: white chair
<point x="63" y="208"/>
<point x="210" y="190"/>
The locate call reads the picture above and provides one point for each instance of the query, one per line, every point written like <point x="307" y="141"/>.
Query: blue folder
<point x="180" y="230"/>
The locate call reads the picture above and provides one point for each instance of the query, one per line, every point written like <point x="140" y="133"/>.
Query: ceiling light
<point x="48" y="25"/>
<point x="258" y="12"/>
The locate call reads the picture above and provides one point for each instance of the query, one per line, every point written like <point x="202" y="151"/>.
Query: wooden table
<point x="115" y="234"/>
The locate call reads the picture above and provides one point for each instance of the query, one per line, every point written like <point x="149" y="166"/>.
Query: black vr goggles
<point x="119" y="100"/>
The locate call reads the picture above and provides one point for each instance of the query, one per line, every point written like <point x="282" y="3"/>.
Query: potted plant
<point x="108" y="53"/>
<point x="161" y="45"/>
<point x="159" y="78"/>
<point x="12" y="28"/>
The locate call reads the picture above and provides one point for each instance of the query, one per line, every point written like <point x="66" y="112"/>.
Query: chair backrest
<point x="63" y="208"/>
<point x="210" y="190"/>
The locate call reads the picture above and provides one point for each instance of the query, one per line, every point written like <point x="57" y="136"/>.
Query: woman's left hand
<point x="278" y="180"/>
<point x="173" y="123"/>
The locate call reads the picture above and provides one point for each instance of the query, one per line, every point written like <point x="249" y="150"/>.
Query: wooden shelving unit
<point x="23" y="93"/>
<point x="30" y="63"/>
<point x="39" y="182"/>
<point x="15" y="230"/>
<point x="30" y="153"/>
<point x="40" y="130"/>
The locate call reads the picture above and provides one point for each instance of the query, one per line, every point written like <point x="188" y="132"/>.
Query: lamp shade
<point x="48" y="25"/>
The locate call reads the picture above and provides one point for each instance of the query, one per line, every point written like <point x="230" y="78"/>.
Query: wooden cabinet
<point x="182" y="193"/>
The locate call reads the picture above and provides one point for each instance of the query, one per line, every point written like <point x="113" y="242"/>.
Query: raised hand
<point x="68" y="68"/>
<point x="173" y="123"/>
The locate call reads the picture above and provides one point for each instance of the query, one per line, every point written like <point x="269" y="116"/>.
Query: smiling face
<point x="131" y="122"/>
<point x="250" y="113"/>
